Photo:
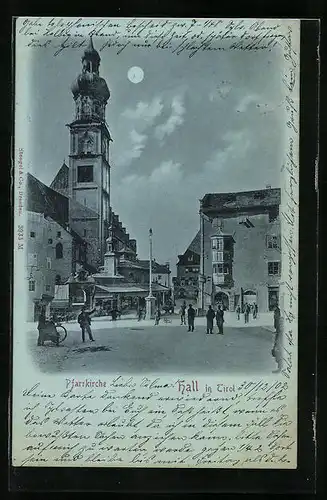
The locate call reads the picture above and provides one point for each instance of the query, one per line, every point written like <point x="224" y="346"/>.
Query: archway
<point x="221" y="298"/>
<point x="249" y="297"/>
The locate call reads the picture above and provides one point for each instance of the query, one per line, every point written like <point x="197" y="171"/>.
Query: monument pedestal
<point x="150" y="306"/>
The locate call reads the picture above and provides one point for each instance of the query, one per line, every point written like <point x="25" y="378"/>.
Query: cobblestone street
<point x="140" y="347"/>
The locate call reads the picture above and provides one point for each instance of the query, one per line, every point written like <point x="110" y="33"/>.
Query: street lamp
<point x="150" y="299"/>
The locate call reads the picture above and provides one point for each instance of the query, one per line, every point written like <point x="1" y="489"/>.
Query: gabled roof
<point x="47" y="201"/>
<point x="61" y="179"/>
<point x="42" y="199"/>
<point x="195" y="245"/>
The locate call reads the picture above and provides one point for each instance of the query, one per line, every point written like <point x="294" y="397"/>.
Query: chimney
<point x="268" y="186"/>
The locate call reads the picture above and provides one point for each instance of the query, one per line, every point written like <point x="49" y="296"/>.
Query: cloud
<point x="175" y="119"/>
<point x="134" y="150"/>
<point x="238" y="142"/>
<point x="133" y="123"/>
<point x="145" y="112"/>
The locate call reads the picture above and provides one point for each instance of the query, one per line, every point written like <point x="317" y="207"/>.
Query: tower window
<point x="50" y="241"/>
<point x="59" y="251"/>
<point x="58" y="279"/>
<point x="31" y="286"/>
<point x="58" y="234"/>
<point x="32" y="234"/>
<point x="85" y="173"/>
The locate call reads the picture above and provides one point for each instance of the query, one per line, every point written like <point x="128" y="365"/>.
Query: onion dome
<point x="89" y="83"/>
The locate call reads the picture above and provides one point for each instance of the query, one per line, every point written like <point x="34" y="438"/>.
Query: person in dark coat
<point x="246" y="313"/>
<point x="182" y="313"/>
<point x="84" y="320"/>
<point x="220" y="320"/>
<point x="190" y="318"/>
<point x="277" y="347"/>
<point x="210" y="317"/>
<point x="157" y="316"/>
<point x="238" y="312"/>
<point x="41" y="325"/>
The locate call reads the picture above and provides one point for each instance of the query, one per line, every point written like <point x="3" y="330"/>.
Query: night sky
<point x="210" y="123"/>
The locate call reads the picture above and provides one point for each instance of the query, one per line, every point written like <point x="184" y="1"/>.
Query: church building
<point x="101" y="263"/>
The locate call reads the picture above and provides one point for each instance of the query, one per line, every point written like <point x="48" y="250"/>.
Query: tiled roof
<point x="42" y="199"/>
<point x="61" y="179"/>
<point x="80" y="211"/>
<point x="240" y="200"/>
<point x="195" y="245"/>
<point x="156" y="267"/>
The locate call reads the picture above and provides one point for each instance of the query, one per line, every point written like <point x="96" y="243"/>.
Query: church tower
<point x="89" y="168"/>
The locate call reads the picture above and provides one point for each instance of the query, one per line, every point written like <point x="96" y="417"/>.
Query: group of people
<point x="190" y="313"/>
<point x="248" y="309"/>
<point x="219" y="316"/>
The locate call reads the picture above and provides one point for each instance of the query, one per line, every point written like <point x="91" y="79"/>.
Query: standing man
<point x="277" y="348"/>
<point x="238" y="312"/>
<point x="84" y="320"/>
<point x="246" y="313"/>
<point x="41" y="324"/>
<point x="182" y="313"/>
<point x="210" y="317"/>
<point x="190" y="318"/>
<point x="220" y="320"/>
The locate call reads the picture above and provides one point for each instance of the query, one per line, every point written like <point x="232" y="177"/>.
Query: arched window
<point x="59" y="251"/>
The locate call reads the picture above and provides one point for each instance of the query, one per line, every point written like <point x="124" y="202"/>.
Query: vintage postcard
<point x="155" y="313"/>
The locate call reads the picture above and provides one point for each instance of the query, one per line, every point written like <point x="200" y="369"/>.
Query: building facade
<point x="240" y="258"/>
<point x="186" y="283"/>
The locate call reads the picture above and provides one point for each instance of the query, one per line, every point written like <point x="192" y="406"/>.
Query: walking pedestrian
<point x="256" y="310"/>
<point x="140" y="314"/>
<point x="220" y="320"/>
<point x="114" y="314"/>
<point x="157" y="316"/>
<point x="84" y="320"/>
<point x="238" y="312"/>
<point x="182" y="313"/>
<point x="190" y="318"/>
<point x="210" y="317"/>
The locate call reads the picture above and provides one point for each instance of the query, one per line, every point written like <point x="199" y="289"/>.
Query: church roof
<point x="61" y="179"/>
<point x="47" y="201"/>
<point x="80" y="211"/>
<point x="42" y="199"/>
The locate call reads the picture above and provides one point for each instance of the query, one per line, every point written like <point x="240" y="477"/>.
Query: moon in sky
<point x="135" y="74"/>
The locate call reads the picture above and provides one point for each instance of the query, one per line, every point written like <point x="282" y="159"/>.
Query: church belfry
<point x="89" y="168"/>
